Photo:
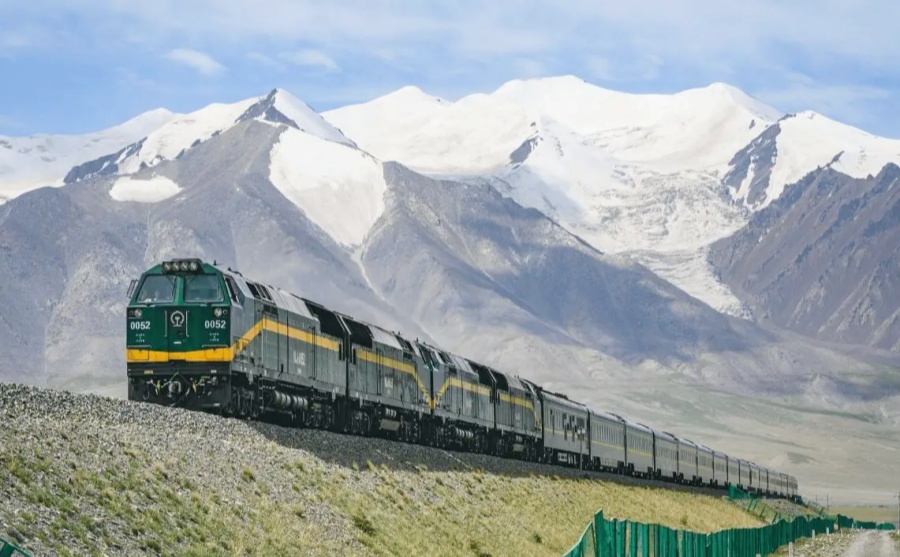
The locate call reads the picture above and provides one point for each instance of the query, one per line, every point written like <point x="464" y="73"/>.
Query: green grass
<point x="123" y="500"/>
<point x="476" y="513"/>
<point x="163" y="511"/>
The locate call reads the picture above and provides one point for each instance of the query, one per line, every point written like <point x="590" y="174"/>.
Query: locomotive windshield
<point x="202" y="288"/>
<point x="157" y="289"/>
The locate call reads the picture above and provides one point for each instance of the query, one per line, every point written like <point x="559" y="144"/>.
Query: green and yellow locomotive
<point x="204" y="337"/>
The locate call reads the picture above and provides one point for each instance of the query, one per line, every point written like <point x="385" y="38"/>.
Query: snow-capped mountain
<point x="500" y="258"/>
<point x="798" y="144"/>
<point x="655" y="177"/>
<point x="339" y="187"/>
<point x="183" y="132"/>
<point x="694" y="129"/>
<point x="636" y="174"/>
<point x="36" y="161"/>
<point x="568" y="149"/>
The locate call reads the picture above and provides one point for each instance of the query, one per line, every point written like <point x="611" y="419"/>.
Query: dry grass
<point x="880" y="513"/>
<point x="126" y="500"/>
<point x="152" y="507"/>
<point x="474" y="513"/>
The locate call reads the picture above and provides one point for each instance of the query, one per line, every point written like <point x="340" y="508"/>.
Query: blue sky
<point x="70" y="66"/>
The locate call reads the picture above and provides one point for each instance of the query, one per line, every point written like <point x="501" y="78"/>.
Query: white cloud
<point x="687" y="27"/>
<point x="471" y="45"/>
<point x="203" y="63"/>
<point x="267" y="61"/>
<point x="849" y="103"/>
<point x="311" y="57"/>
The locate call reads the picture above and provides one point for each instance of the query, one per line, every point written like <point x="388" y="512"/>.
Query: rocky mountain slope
<point x="89" y="245"/>
<point x="35" y="161"/>
<point x="824" y="258"/>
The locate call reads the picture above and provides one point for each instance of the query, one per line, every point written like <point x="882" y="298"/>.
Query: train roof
<point x="278" y="297"/>
<point x="637" y="426"/>
<point x="513" y="381"/>
<point x="563" y="400"/>
<point x="607" y="416"/>
<point x="461" y="363"/>
<point x="384" y="337"/>
<point x="684" y="441"/>
<point x="664" y="435"/>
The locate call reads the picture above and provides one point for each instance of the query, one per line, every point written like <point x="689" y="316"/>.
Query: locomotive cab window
<point x="233" y="291"/>
<point x="202" y="288"/>
<point x="157" y="289"/>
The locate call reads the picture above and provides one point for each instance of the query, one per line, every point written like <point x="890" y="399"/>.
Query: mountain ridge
<point x="458" y="260"/>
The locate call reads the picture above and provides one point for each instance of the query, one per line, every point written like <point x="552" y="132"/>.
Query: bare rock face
<point x="823" y="259"/>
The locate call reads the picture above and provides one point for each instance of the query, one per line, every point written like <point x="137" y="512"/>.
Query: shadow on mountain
<point x="444" y="247"/>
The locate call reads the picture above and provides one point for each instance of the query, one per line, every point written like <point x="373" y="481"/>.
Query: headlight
<point x="194" y="266"/>
<point x="138" y="313"/>
<point x="184" y="265"/>
<point x="167" y="267"/>
<point x="218" y="312"/>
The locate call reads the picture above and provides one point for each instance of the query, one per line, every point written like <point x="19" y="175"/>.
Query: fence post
<point x="600" y="549"/>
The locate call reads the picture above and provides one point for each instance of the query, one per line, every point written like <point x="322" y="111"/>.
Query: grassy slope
<point x="474" y="512"/>
<point x="127" y="488"/>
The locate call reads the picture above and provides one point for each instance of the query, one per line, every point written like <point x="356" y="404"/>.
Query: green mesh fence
<point x="758" y="507"/>
<point x="623" y="538"/>
<point x="7" y="549"/>
<point x="850" y="523"/>
<point x="754" y="505"/>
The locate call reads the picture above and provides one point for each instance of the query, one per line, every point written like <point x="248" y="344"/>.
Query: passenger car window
<point x="157" y="289"/>
<point x="202" y="288"/>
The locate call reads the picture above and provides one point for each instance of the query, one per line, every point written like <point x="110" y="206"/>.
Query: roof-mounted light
<point x="182" y="266"/>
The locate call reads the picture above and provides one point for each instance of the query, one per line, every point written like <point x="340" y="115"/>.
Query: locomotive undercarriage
<point x="237" y="395"/>
<point x="190" y="387"/>
<point x="289" y="405"/>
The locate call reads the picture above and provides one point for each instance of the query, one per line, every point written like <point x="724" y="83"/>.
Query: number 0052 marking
<point x="215" y="324"/>
<point x="139" y="325"/>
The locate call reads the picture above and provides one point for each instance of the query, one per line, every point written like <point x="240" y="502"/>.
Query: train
<point x="203" y="337"/>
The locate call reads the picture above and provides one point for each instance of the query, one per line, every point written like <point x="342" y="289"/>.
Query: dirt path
<point x="874" y="544"/>
<point x="868" y="543"/>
